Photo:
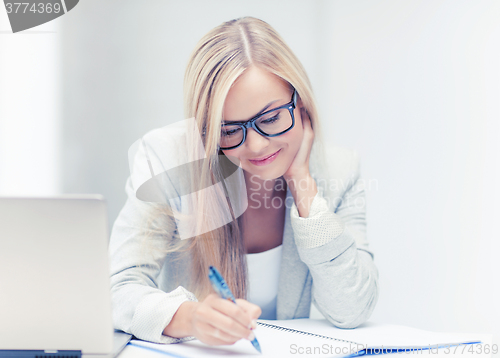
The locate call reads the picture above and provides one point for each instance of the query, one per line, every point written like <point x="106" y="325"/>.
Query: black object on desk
<point x="39" y="354"/>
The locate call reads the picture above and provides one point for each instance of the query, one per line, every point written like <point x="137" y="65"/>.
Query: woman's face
<point x="256" y="91"/>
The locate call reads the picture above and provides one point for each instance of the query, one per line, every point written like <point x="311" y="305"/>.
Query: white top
<point x="263" y="274"/>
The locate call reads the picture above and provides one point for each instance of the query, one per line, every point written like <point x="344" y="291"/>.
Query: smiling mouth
<point x="265" y="160"/>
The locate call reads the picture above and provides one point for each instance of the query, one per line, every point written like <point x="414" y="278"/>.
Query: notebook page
<point x="274" y="343"/>
<point x="375" y="334"/>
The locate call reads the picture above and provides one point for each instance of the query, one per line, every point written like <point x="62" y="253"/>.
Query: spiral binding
<point x="291" y="330"/>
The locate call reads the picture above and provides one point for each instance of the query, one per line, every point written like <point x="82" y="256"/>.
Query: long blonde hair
<point x="218" y="59"/>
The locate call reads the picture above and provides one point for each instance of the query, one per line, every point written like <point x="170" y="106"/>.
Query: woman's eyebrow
<point x="258" y="114"/>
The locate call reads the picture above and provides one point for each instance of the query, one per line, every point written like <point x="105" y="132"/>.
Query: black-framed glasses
<point x="271" y="123"/>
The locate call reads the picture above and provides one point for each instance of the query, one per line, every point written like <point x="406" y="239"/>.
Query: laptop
<point x="55" y="297"/>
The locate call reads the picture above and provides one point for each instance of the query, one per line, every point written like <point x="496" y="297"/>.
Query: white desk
<point x="375" y="330"/>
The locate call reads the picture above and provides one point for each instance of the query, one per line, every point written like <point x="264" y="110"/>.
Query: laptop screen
<point x="54" y="274"/>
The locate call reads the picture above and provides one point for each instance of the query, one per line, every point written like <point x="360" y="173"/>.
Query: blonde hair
<point x="218" y="59"/>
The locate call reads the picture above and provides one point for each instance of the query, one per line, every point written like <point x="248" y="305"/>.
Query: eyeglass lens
<point x="274" y="122"/>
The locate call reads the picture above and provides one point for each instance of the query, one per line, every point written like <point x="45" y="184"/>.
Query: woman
<point x="302" y="236"/>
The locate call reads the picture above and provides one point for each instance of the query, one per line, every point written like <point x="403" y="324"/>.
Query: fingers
<point x="235" y="320"/>
<point x="220" y="321"/>
<point x="253" y="310"/>
<point x="215" y="336"/>
<point x="306" y="120"/>
<point x="228" y="329"/>
<point x="306" y="125"/>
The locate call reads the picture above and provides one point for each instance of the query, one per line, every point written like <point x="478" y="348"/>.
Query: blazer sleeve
<point x="139" y="307"/>
<point x="334" y="247"/>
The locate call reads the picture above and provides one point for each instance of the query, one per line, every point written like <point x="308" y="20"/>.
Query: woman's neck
<point x="261" y="192"/>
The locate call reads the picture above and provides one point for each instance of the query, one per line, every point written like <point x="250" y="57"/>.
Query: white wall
<point x="29" y="110"/>
<point x="415" y="86"/>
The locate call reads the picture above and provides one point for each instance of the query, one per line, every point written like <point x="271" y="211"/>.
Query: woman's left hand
<point x="300" y="164"/>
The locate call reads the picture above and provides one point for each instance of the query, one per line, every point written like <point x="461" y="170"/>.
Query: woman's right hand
<point x="216" y="321"/>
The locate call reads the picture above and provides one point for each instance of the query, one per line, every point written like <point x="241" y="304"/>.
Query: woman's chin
<point x="264" y="175"/>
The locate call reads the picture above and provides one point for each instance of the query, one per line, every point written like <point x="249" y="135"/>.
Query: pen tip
<point x="257" y="345"/>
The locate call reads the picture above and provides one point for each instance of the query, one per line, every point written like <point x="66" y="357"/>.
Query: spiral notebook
<point x="318" y="338"/>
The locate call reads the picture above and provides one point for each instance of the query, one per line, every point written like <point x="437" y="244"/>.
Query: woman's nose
<point x="255" y="142"/>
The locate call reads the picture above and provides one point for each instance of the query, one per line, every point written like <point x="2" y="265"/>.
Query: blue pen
<point x="224" y="292"/>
